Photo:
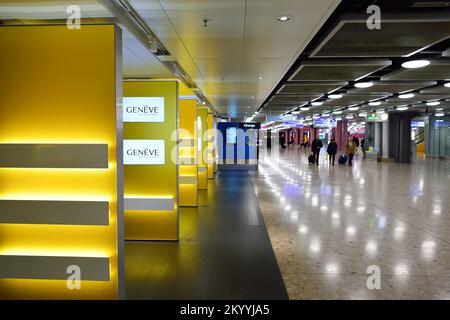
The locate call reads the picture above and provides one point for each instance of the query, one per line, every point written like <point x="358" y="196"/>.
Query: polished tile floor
<point x="328" y="224"/>
<point x="224" y="250"/>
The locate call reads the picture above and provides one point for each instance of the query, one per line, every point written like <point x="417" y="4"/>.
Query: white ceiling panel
<point x="242" y="41"/>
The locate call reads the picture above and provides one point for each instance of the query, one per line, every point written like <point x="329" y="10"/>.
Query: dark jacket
<point x="316" y="145"/>
<point x="332" y="147"/>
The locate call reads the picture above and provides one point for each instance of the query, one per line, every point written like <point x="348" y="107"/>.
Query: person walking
<point x="356" y="142"/>
<point x="362" y="148"/>
<point x="315" y="148"/>
<point x="350" y="150"/>
<point x="332" y="150"/>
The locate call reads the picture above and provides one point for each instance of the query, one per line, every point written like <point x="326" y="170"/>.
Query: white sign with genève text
<point x="147" y="152"/>
<point x="143" y="109"/>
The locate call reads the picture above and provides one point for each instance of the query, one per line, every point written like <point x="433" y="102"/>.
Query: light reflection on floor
<point x="328" y="224"/>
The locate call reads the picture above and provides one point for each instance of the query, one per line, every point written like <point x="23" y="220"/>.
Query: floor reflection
<point x="328" y="224"/>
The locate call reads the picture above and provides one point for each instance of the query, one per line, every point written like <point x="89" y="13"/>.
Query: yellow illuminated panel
<point x="210" y="146"/>
<point x="202" y="134"/>
<point x="188" y="148"/>
<point x="59" y="86"/>
<point x="153" y="180"/>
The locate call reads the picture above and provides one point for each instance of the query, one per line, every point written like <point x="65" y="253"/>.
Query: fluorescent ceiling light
<point x="433" y="103"/>
<point x="439" y="109"/>
<point x="325" y="115"/>
<point x="447" y="85"/>
<point x="375" y="103"/>
<point x="317" y="103"/>
<point x="353" y="108"/>
<point x="335" y="96"/>
<point x="403" y="108"/>
<point x="283" y="18"/>
<point x="295" y="112"/>
<point x="349" y="116"/>
<point x="414" y="64"/>
<point x="337" y="112"/>
<point x="362" y="114"/>
<point x="304" y="108"/>
<point x="406" y="95"/>
<point x="363" y="84"/>
<point x="440" y="114"/>
<point x="338" y="118"/>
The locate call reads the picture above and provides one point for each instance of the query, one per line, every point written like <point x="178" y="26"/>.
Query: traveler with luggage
<point x="332" y="150"/>
<point x="350" y="149"/>
<point x="315" y="148"/>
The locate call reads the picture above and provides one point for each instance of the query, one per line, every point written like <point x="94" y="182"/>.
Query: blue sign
<point x="417" y="124"/>
<point x="442" y="123"/>
<point x="294" y="123"/>
<point x="324" y="122"/>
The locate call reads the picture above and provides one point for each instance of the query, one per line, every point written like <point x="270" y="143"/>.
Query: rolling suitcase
<point x="311" y="159"/>
<point x="342" y="159"/>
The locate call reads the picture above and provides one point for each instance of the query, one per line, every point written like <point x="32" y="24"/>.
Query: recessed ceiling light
<point x="295" y="112"/>
<point x="363" y="84"/>
<point x="304" y="108"/>
<point x="362" y="114"/>
<point x="384" y="116"/>
<point x="439" y="109"/>
<point x="337" y="112"/>
<point x="406" y="95"/>
<point x="335" y="96"/>
<point x="440" y="114"/>
<point x="317" y="103"/>
<point x="403" y="108"/>
<point x="260" y="78"/>
<point x="375" y="103"/>
<point x="204" y="102"/>
<point x="325" y="115"/>
<point x="353" y="108"/>
<point x="433" y="103"/>
<point x="447" y="85"/>
<point x="338" y="118"/>
<point x="414" y="64"/>
<point x="253" y="97"/>
<point x="283" y="18"/>
<point x="349" y="116"/>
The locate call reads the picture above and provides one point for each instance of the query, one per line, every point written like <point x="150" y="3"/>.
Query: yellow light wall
<point x="146" y="181"/>
<point x="58" y="86"/>
<point x="216" y="152"/>
<point x="188" y="152"/>
<point x="202" y="156"/>
<point x="210" y="146"/>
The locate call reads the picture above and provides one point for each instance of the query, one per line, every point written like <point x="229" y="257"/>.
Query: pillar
<point x="400" y="136"/>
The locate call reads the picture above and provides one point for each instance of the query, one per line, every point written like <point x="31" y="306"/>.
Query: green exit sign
<point x="373" y="117"/>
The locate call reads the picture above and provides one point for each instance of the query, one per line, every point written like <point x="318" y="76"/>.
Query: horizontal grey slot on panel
<point x="160" y="204"/>
<point x="75" y="156"/>
<point x="54" y="212"/>
<point x="187" y="179"/>
<point x="53" y="268"/>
